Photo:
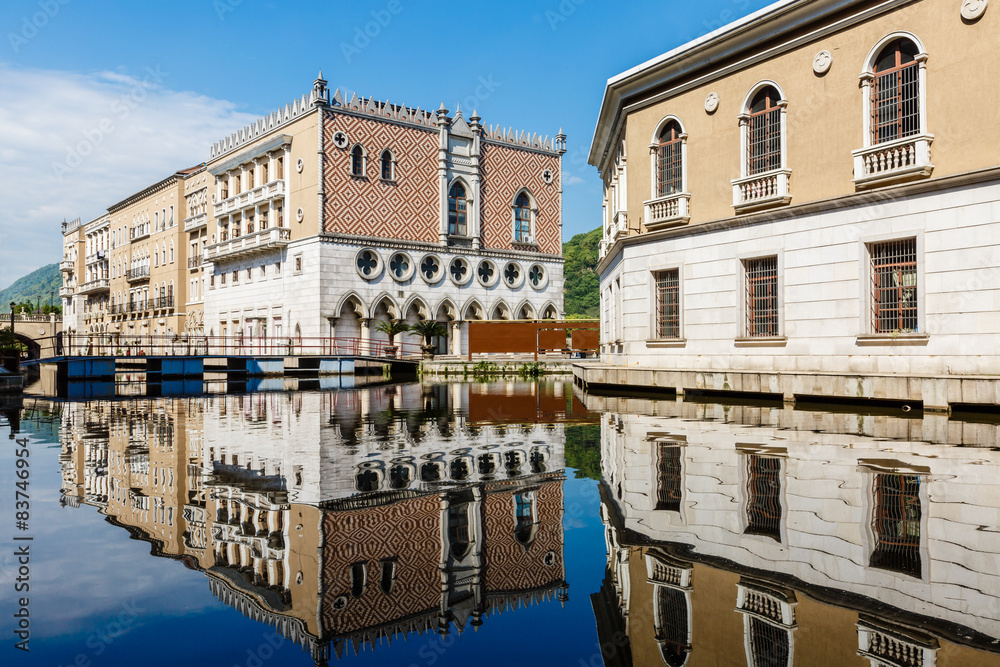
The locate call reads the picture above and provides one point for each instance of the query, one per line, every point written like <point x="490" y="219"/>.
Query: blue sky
<point x="144" y="88"/>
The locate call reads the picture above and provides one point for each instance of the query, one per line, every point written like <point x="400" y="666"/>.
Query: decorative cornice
<point x="880" y="196"/>
<point x="151" y="190"/>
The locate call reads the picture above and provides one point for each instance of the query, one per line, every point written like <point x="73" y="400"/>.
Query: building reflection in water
<point x="775" y="537"/>
<point x="341" y="519"/>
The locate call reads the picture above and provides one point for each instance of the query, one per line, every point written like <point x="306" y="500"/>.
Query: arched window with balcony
<point x="764" y="172"/>
<point x="457" y="210"/>
<point x="669" y="199"/>
<point x="894" y="88"/>
<point x="670" y="160"/>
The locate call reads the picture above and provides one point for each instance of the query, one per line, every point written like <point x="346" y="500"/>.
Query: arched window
<point x="763" y="142"/>
<point x="458" y="530"/>
<point x="457" y="210"/>
<point x="895" y="93"/>
<point x="524" y="518"/>
<point x="387" y="166"/>
<point x="358" y="161"/>
<point x="522" y="219"/>
<point x="669" y="160"/>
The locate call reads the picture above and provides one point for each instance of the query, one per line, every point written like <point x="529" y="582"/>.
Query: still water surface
<point x="499" y="524"/>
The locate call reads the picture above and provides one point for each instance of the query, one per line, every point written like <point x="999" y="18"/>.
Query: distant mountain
<point x="32" y="287"/>
<point x="582" y="291"/>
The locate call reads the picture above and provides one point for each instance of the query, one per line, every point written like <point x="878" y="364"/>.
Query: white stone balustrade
<point x="261" y="193"/>
<point x="762" y="190"/>
<point x="263" y="240"/>
<point x="667" y="211"/>
<point x="893" y="160"/>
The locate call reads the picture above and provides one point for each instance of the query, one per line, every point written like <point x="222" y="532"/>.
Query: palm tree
<point x="392" y="328"/>
<point x="428" y="329"/>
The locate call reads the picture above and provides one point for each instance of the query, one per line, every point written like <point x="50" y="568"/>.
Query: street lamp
<point x="12" y="305"/>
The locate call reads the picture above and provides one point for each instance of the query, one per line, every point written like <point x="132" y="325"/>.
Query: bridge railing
<point x="41" y="319"/>
<point x="118" y="345"/>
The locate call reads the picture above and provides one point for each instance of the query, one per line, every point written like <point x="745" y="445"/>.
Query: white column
<point x="366" y="335"/>
<point x="456" y="338"/>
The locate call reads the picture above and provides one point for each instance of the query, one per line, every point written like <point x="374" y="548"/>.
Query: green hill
<point x="582" y="292"/>
<point x="34" y="287"/>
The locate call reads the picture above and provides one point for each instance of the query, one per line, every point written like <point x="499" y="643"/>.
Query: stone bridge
<point x="37" y="332"/>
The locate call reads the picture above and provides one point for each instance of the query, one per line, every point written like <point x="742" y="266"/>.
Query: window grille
<point x="896" y="523"/>
<point x="769" y="644"/>
<point x="669" y="479"/>
<point x="895" y="102"/>
<point x="668" y="312"/>
<point x="764" y="133"/>
<point x="764" y="496"/>
<point x="762" y="297"/>
<point x="669" y="175"/>
<point x="672" y="626"/>
<point x="894" y="286"/>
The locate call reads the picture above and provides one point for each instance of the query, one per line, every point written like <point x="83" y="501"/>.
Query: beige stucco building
<point x="803" y="194"/>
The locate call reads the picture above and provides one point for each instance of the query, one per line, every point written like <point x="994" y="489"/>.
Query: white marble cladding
<point x="824" y="290"/>
<point x="319" y="443"/>
<point x="827" y="496"/>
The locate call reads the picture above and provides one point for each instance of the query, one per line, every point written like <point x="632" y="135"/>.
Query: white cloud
<point x="571" y="179"/>
<point x="73" y="144"/>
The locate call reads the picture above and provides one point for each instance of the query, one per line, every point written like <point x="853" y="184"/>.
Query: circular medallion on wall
<point x="973" y="9"/>
<point x="822" y="62"/>
<point x="537" y="276"/>
<point x="711" y="102"/>
<point x="368" y="263"/>
<point x="300" y="214"/>
<point x="547" y="176"/>
<point x="340" y="139"/>
<point x="300" y="165"/>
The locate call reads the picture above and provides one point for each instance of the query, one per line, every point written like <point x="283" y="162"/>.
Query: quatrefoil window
<point x="536" y="275"/>
<point x="430" y="267"/>
<point x="367" y="263"/>
<point x="459" y="270"/>
<point x="486" y="272"/>
<point x="399" y="265"/>
<point x="512" y="274"/>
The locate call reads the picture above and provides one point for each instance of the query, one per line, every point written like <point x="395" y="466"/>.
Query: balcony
<point x="602" y="250"/>
<point x="194" y="262"/>
<point x="250" y="244"/>
<point x="138" y="274"/>
<point x="95" y="286"/>
<point x="67" y="266"/>
<point x="618" y="227"/>
<point x="893" y="161"/>
<point x="250" y="198"/>
<point x="139" y="233"/>
<point x="762" y="190"/>
<point x="195" y="222"/>
<point x="138" y="306"/>
<point x="163" y="302"/>
<point x="96" y="257"/>
<point x="668" y="211"/>
<point x="67" y="292"/>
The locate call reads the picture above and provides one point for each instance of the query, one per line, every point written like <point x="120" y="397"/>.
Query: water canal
<point x="496" y="524"/>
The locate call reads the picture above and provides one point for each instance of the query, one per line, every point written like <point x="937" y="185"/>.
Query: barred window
<point x="669" y="162"/>
<point x="668" y="314"/>
<point x="894" y="286"/>
<point x="895" y="101"/>
<point x="770" y="645"/>
<point x="672" y="625"/>
<point x="762" y="297"/>
<point x="764" y="496"/>
<point x="669" y="479"/>
<point x="764" y="135"/>
<point x="896" y="523"/>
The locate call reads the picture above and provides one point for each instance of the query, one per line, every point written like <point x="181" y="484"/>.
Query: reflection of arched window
<point x="769" y="644"/>
<point x="358" y="161"/>
<point x="388" y="575"/>
<point x="359" y="578"/>
<point x="671" y="625"/>
<point x="457" y="205"/>
<point x="458" y="530"/>
<point x="895" y="93"/>
<point x="524" y="518"/>
<point x="522" y="219"/>
<point x="367" y="480"/>
<point x="399" y="477"/>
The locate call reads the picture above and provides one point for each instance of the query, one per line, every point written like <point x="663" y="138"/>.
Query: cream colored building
<point x="811" y="190"/>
